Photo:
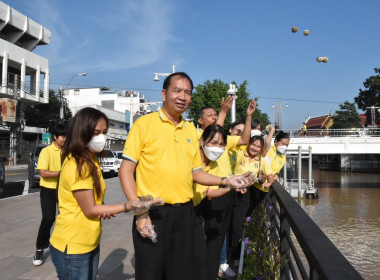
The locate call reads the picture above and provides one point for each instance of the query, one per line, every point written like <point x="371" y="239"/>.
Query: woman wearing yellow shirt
<point x="252" y="161"/>
<point x="213" y="143"/>
<point x="276" y="154"/>
<point x="74" y="243"/>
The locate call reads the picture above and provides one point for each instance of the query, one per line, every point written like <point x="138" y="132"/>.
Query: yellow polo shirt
<point x="49" y="159"/>
<point x="236" y="157"/>
<point x="73" y="229"/>
<point x="200" y="190"/>
<point x="254" y="165"/>
<point x="275" y="160"/>
<point x="166" y="155"/>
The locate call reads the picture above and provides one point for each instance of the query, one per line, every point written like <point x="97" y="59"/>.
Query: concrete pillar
<point x="345" y="162"/>
<point x="46" y="85"/>
<point x="4" y="78"/>
<point x="22" y="86"/>
<point x="38" y="78"/>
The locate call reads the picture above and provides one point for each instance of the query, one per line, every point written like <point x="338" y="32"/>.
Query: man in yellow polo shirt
<point x="163" y="148"/>
<point x="49" y="165"/>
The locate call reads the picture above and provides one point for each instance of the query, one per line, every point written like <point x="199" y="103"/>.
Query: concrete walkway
<point x="19" y="221"/>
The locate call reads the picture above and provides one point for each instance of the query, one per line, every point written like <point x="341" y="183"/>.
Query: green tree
<point x="370" y="96"/>
<point x="346" y="117"/>
<point x="46" y="115"/>
<point x="211" y="93"/>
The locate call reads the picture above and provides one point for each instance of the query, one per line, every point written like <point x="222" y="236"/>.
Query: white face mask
<point x="255" y="132"/>
<point x="282" y="149"/>
<point x="97" y="143"/>
<point x="213" y="153"/>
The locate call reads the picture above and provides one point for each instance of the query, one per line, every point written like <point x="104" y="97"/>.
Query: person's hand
<point x="251" y="107"/>
<point x="107" y="216"/>
<point x="239" y="181"/>
<point x="266" y="185"/>
<point x="242" y="191"/>
<point x="144" y="226"/>
<point x="226" y="104"/>
<point x="270" y="128"/>
<point x="276" y="178"/>
<point x="143" y="205"/>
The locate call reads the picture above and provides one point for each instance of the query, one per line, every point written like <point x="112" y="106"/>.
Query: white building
<point x="22" y="71"/>
<point x="24" y="76"/>
<point x="118" y="106"/>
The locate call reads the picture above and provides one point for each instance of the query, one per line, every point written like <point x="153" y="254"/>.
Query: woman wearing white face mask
<point x="213" y="144"/>
<point x="74" y="243"/>
<point x="276" y="154"/>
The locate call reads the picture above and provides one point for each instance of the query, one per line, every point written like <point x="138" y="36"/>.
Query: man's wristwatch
<point x="222" y="184"/>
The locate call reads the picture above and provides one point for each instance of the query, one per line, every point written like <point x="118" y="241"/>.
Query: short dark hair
<point x="58" y="130"/>
<point x="167" y="81"/>
<point x="255" y="123"/>
<point x="281" y="135"/>
<point x="211" y="130"/>
<point x="202" y="111"/>
<point x="235" y="123"/>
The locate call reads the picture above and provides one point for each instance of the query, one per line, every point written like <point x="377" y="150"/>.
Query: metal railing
<point x="350" y="132"/>
<point x="322" y="260"/>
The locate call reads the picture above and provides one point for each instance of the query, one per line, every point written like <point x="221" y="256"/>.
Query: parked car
<point x="33" y="174"/>
<point x="2" y="173"/>
<point x="119" y="154"/>
<point x="110" y="163"/>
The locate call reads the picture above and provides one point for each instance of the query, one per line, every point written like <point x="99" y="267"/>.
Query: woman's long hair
<point x="80" y="133"/>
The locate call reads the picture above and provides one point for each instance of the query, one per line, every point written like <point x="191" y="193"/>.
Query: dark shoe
<point x="38" y="257"/>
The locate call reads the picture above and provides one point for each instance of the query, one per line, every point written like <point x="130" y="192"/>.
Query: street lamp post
<point x="61" y="93"/>
<point x="278" y="112"/>
<point x="373" y="115"/>
<point x="232" y="91"/>
<point x="156" y="79"/>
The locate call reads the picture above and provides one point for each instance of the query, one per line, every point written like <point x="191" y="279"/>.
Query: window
<point x="109" y="104"/>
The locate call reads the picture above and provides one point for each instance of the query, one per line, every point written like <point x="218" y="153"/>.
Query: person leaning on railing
<point x="276" y="154"/>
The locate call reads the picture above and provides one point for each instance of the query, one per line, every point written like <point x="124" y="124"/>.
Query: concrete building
<point x="24" y="75"/>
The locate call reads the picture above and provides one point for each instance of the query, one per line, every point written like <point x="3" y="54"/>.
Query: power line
<point x="302" y="100"/>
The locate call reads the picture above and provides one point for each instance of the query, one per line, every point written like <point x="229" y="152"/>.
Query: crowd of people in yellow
<point x="191" y="187"/>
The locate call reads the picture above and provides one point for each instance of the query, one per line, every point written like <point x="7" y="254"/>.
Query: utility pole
<point x="232" y="92"/>
<point x="61" y="100"/>
<point x="373" y="115"/>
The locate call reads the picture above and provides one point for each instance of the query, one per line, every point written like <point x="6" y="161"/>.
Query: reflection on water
<point x="348" y="211"/>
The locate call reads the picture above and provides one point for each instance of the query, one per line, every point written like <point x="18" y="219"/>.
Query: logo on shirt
<point x="188" y="140"/>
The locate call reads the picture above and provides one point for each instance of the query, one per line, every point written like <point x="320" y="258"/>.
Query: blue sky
<point x="121" y="43"/>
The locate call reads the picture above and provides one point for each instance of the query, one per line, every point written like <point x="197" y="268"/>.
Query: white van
<point x="110" y="163"/>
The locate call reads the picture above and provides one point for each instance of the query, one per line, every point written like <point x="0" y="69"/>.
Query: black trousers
<point x="48" y="200"/>
<point x="239" y="210"/>
<point x="217" y="217"/>
<point x="171" y="257"/>
<point x="200" y="267"/>
<point x="256" y="197"/>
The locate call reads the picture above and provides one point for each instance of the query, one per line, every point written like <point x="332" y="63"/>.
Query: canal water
<point x="348" y="212"/>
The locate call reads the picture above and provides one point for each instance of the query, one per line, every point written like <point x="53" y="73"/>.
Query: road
<point x="15" y="182"/>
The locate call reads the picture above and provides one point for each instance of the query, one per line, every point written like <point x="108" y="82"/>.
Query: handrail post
<point x="299" y="172"/>
<point x="284" y="245"/>
<point x="310" y="164"/>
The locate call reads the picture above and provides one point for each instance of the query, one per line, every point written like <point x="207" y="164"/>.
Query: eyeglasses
<point x="238" y="131"/>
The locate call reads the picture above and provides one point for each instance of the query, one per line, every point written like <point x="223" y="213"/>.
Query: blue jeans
<point x="75" y="266"/>
<point x="223" y="253"/>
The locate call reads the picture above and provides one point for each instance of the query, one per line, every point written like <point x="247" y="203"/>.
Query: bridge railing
<point x="350" y="132"/>
<point x="317" y="257"/>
